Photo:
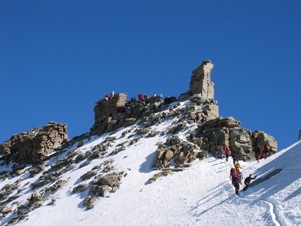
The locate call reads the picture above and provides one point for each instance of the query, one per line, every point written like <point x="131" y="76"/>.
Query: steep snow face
<point x="201" y="194"/>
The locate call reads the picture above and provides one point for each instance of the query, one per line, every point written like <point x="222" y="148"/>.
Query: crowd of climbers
<point x="109" y="96"/>
<point x="197" y="118"/>
<point x="262" y="152"/>
<point x="221" y="151"/>
<point x="236" y="173"/>
<point x="142" y="100"/>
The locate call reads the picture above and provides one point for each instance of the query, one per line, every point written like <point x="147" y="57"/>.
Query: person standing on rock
<point x="110" y="95"/>
<point x="141" y="97"/>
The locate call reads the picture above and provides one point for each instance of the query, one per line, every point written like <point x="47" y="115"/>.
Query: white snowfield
<point x="202" y="194"/>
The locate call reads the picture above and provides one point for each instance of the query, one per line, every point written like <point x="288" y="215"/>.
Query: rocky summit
<point x="194" y="130"/>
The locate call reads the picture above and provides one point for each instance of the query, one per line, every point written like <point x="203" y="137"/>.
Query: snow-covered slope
<point x="201" y="194"/>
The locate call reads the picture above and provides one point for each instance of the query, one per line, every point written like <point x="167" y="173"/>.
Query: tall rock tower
<point x="200" y="82"/>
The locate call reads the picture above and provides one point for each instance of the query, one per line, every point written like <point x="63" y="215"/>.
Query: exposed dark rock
<point x="35" y="170"/>
<point x="111" y="114"/>
<point x="80" y="188"/>
<point x="4" y="175"/>
<point x="88" y="175"/>
<point x="227" y="131"/>
<point x="80" y="157"/>
<point x="89" y="202"/>
<point x="35" y="197"/>
<point x="56" y="186"/>
<point x="112" y="180"/>
<point x="101" y="191"/>
<point x="34" y="146"/>
<point x="85" y="163"/>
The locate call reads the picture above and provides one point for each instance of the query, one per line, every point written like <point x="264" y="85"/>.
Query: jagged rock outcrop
<point x="201" y="82"/>
<point x="116" y="112"/>
<point x="213" y="131"/>
<point x="227" y="131"/>
<point x="260" y="138"/>
<point x="35" y="145"/>
<point x="176" y="149"/>
<point x="80" y="188"/>
<point x="203" y="108"/>
<point x="105" y="110"/>
<point x="201" y="91"/>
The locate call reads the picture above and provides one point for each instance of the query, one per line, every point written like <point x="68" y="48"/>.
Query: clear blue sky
<point x="58" y="57"/>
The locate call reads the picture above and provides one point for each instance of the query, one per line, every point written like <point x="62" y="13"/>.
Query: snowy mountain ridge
<point x="149" y="162"/>
<point x="199" y="194"/>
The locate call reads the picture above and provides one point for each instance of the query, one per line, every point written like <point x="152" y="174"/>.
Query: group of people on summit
<point x="141" y="98"/>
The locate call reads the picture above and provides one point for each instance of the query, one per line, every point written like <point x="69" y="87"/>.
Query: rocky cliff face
<point x="201" y="81"/>
<point x="35" y="145"/>
<point x="217" y="131"/>
<point x="227" y="131"/>
<point x="117" y="111"/>
<point x="105" y="110"/>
